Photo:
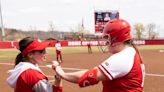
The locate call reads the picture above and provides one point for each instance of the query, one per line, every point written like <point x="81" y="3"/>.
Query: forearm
<point x="58" y="81"/>
<point x="71" y="77"/>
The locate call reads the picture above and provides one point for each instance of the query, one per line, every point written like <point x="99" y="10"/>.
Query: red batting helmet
<point x="117" y="31"/>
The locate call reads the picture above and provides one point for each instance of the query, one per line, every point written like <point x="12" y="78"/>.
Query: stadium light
<point x="2" y="27"/>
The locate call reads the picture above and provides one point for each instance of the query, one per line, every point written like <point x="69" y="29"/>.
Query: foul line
<point x="156" y="75"/>
<point x="147" y="74"/>
<point x="11" y="64"/>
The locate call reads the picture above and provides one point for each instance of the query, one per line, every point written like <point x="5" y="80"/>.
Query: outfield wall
<point x="13" y="44"/>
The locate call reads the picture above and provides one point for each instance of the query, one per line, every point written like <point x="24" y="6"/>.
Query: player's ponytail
<point x="22" y="45"/>
<point x="130" y="42"/>
<point x="134" y="46"/>
<point x="18" y="58"/>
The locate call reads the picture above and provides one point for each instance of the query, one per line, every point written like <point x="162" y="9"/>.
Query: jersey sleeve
<point x="117" y="65"/>
<point x="45" y="86"/>
<point x="38" y="81"/>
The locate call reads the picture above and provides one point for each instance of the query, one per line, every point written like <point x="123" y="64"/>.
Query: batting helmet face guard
<point x="117" y="31"/>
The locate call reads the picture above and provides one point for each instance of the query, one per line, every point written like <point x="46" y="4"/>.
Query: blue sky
<point x="67" y="14"/>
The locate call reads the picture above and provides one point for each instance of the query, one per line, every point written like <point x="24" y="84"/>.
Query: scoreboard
<point x="102" y="17"/>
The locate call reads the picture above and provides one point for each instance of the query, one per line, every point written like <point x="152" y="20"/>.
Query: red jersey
<point x="27" y="77"/>
<point x="89" y="45"/>
<point x="124" y="71"/>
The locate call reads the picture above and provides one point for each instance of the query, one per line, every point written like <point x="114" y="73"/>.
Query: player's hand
<point x="60" y="62"/>
<point x="55" y="64"/>
<point x="57" y="77"/>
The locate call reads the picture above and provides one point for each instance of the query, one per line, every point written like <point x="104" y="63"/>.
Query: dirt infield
<point x="153" y="60"/>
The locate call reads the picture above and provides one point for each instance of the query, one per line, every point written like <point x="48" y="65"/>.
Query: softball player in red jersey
<point x="27" y="76"/>
<point x="89" y="47"/>
<point x="123" y="71"/>
<point x="58" y="51"/>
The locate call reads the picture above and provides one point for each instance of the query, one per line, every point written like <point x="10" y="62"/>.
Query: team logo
<point x="86" y="83"/>
<point x="106" y="63"/>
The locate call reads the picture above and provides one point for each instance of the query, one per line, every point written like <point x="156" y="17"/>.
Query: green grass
<point x="6" y="54"/>
<point x="80" y="49"/>
<point x="150" y="47"/>
<point x="68" y="50"/>
<point x="12" y="53"/>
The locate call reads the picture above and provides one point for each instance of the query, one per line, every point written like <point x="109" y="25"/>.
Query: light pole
<point x="2" y="27"/>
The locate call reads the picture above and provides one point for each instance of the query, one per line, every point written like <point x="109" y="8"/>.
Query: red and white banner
<point x="13" y="44"/>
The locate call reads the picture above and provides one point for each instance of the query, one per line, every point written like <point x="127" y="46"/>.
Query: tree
<point x="52" y="29"/>
<point x="74" y="34"/>
<point x="151" y="31"/>
<point x="139" y="27"/>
